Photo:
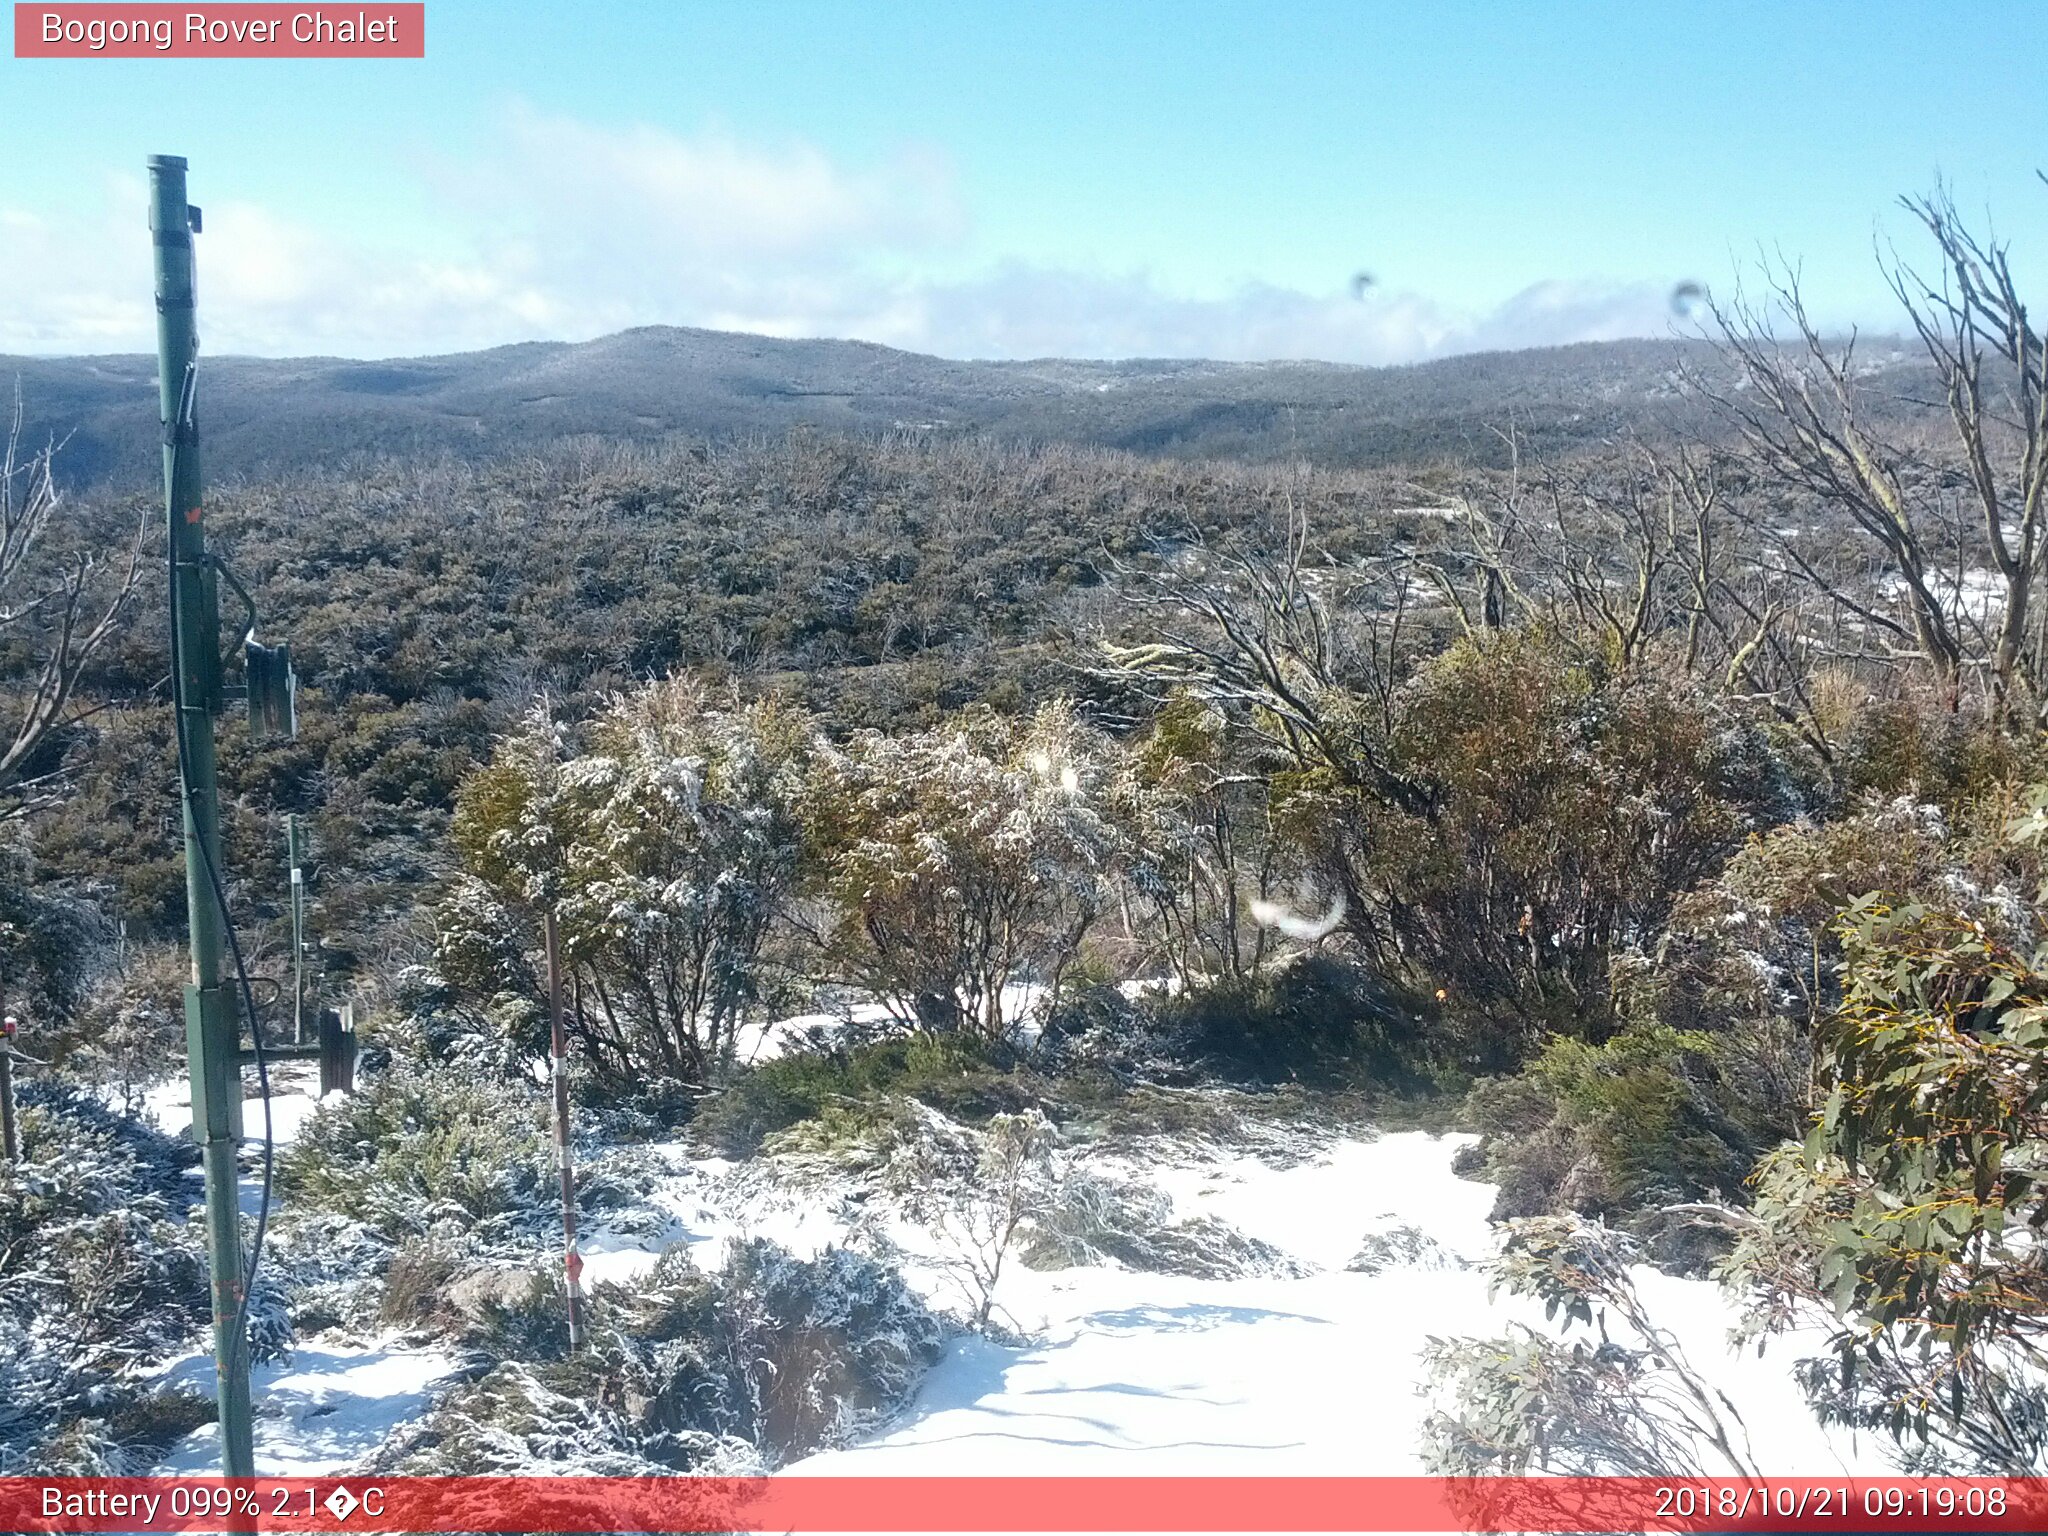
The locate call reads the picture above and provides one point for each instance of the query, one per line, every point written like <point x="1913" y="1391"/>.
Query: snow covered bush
<point x="963" y="859"/>
<point x="979" y="1193"/>
<point x="478" y="1005"/>
<point x="960" y="1075"/>
<point x="127" y="1032"/>
<point x="824" y="1349"/>
<point x="1095" y="1218"/>
<point x="522" y="1420"/>
<point x="101" y="1274"/>
<point x="328" y="1270"/>
<point x="1752" y="954"/>
<point x="1401" y="1245"/>
<point x="50" y="935"/>
<point x="420" y="1151"/>
<point x="730" y="1372"/>
<point x="669" y="851"/>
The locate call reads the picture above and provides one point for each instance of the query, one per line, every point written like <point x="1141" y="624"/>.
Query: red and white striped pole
<point x="559" y="1066"/>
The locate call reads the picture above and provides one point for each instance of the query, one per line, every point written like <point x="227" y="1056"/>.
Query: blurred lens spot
<point x="1684" y="296"/>
<point x="1360" y="281"/>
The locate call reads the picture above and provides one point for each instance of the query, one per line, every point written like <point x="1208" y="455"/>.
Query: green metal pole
<point x="212" y="1038"/>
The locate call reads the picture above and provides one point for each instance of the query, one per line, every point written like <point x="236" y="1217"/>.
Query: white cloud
<point x="646" y="191"/>
<point x="571" y="230"/>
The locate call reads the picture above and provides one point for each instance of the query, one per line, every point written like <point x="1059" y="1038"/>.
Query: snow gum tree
<point x="1911" y="1217"/>
<point x="668" y="851"/>
<point x="960" y="859"/>
<point x="1203" y="854"/>
<point x="1619" y="1397"/>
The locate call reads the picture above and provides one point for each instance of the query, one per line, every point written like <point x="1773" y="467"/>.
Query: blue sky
<point x="994" y="179"/>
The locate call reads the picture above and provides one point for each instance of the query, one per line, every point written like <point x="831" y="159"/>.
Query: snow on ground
<point x="319" y="1412"/>
<point x="1131" y="1373"/>
<point x="1123" y="1372"/>
<point x="325" y="1408"/>
<point x="1143" y="1374"/>
<point x="294" y="1096"/>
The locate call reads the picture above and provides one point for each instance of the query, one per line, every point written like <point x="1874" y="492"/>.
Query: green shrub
<point x="1910" y="1216"/>
<point x="1095" y="1219"/>
<point x="1567" y="807"/>
<point x="962" y="1075"/>
<point x="1914" y="746"/>
<point x="1317" y="1020"/>
<point x="418" y="1152"/>
<point x="1614" y="1130"/>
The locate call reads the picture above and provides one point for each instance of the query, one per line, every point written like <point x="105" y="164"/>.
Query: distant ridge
<point x="261" y="415"/>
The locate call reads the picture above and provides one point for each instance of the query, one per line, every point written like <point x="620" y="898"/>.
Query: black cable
<point x="220" y="895"/>
<point x="179" y="428"/>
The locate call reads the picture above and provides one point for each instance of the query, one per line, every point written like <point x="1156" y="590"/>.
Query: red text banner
<point x="232" y="31"/>
<point x="576" y="1505"/>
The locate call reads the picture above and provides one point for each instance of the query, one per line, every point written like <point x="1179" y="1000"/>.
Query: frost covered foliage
<point x="325" y="1271"/>
<point x="457" y="1012"/>
<point x="1097" y="1218"/>
<point x="1401" y="1246"/>
<point x="962" y="859"/>
<point x="823" y="1348"/>
<point x="421" y="1151"/>
<point x="1204" y="855"/>
<point x="981" y="1193"/>
<point x="769" y="1358"/>
<point x="49" y="936"/>
<point x="670" y="849"/>
<point x="1624" y="1400"/>
<point x="127" y="1032"/>
<point x="546" y="1421"/>
<point x="960" y="1075"/>
<point x="101" y="1274"/>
